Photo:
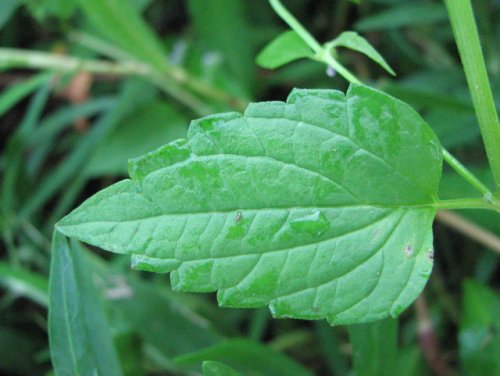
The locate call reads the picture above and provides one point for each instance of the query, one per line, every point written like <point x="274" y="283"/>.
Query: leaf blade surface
<point x="320" y="207"/>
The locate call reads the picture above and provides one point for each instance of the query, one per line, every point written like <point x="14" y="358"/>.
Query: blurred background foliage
<point x="88" y="84"/>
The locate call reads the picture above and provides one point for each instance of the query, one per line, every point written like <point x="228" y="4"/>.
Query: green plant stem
<point x="15" y="58"/>
<point x="170" y="81"/>
<point x="467" y="39"/>
<point x="466" y="203"/>
<point x="322" y="53"/>
<point x="343" y="71"/>
<point x="465" y="173"/>
<point x="296" y="26"/>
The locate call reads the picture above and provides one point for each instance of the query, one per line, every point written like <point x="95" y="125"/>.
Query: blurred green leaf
<point x="404" y="16"/>
<point x="7" y="9"/>
<point x="80" y="342"/>
<point x="17" y="92"/>
<point x="43" y="140"/>
<point x="248" y="357"/>
<point x="330" y="342"/>
<point x="354" y="41"/>
<point x="121" y="23"/>
<point x="374" y="347"/>
<point x="72" y="165"/>
<point x="41" y="9"/>
<point x="25" y="283"/>
<point x="410" y="362"/>
<point x="479" y="336"/>
<point x="129" y="299"/>
<point x="212" y="368"/>
<point x="149" y="127"/>
<point x="284" y="49"/>
<point x="12" y="180"/>
<point x="17" y="349"/>
<point x="223" y="29"/>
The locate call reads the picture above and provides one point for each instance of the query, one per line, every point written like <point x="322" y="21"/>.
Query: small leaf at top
<point x="320" y="207"/>
<point x="284" y="49"/>
<point x="354" y="41"/>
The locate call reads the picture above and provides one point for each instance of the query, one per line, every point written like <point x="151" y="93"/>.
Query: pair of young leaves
<point x="320" y="207"/>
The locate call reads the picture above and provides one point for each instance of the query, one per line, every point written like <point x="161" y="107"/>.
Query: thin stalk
<point x="467" y="39"/>
<point x="466" y="203"/>
<point x="343" y="71"/>
<point x="15" y="58"/>
<point x="322" y="53"/>
<point x="466" y="174"/>
<point x="296" y="26"/>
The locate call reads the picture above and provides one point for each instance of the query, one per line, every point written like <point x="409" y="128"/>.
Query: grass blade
<point x="80" y="342"/>
<point x="24" y="283"/>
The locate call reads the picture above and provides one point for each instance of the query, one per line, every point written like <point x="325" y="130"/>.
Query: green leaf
<point x="354" y="41"/>
<point x="122" y="23"/>
<point x="248" y="357"/>
<point x="374" y="347"/>
<point x="479" y="338"/>
<point x="16" y="93"/>
<point x="42" y="9"/>
<point x="18" y="347"/>
<point x="404" y="16"/>
<point x="222" y="27"/>
<point x="320" y="207"/>
<point x="24" y="283"/>
<point x="7" y="9"/>
<point x="287" y="47"/>
<point x="80" y="342"/>
<point x="129" y="298"/>
<point x="212" y="368"/>
<point x="147" y="128"/>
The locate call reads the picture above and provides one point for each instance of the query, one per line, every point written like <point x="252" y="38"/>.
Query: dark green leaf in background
<point x="7" y="8"/>
<point x="320" y="207"/>
<point x="248" y="357"/>
<point x="212" y="368"/>
<point x="149" y="127"/>
<point x="130" y="300"/>
<point x="80" y="342"/>
<point x="24" y="283"/>
<point x="41" y="9"/>
<point x="119" y="21"/>
<point x="374" y="347"/>
<point x="419" y="13"/>
<point x="479" y="337"/>
<point x="223" y="28"/>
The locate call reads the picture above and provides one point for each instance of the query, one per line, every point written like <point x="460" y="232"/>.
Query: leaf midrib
<point x="252" y="210"/>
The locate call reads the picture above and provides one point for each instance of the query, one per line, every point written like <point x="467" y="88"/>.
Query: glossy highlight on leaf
<point x="306" y="206"/>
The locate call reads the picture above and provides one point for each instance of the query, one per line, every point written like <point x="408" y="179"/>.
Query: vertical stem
<point x="295" y="25"/>
<point x="469" y="47"/>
